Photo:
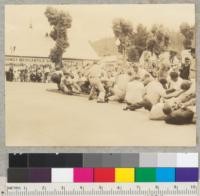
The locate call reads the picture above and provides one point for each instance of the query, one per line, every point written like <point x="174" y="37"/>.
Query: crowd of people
<point x="32" y="73"/>
<point x="164" y="85"/>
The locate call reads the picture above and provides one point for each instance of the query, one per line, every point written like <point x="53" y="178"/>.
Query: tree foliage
<point x="156" y="40"/>
<point x="60" y="21"/>
<point x="122" y="30"/>
<point x="133" y="54"/>
<point x="140" y="38"/>
<point x="159" y="39"/>
<point x="188" y="33"/>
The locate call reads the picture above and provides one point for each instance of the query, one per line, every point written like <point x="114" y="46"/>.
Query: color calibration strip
<point x="88" y="175"/>
<point x="87" y="168"/>
<point x="115" y="160"/>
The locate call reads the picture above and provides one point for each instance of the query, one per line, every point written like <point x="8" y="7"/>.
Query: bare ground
<point x="36" y="115"/>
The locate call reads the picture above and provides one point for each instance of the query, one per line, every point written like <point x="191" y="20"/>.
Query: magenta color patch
<point x="83" y="175"/>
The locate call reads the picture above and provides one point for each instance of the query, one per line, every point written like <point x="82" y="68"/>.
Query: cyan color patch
<point x="165" y="174"/>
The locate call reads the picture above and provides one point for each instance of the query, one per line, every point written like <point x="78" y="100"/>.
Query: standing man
<point x="185" y="69"/>
<point x="95" y="74"/>
<point x="46" y="73"/>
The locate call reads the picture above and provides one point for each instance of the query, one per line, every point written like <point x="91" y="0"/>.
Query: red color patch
<point x="104" y="175"/>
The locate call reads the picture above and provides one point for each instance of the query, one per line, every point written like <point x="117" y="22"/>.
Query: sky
<point x="93" y="22"/>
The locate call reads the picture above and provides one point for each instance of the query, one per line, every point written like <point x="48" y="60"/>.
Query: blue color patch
<point x="165" y="174"/>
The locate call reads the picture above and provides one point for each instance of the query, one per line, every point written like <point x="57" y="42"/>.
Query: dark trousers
<point x="143" y="104"/>
<point x="180" y="117"/>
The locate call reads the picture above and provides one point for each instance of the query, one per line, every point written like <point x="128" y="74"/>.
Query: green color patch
<point x="145" y="175"/>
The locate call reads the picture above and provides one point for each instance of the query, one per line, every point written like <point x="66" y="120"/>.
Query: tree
<point x="133" y="54"/>
<point x="188" y="33"/>
<point x="122" y="30"/>
<point x="60" y="21"/>
<point x="159" y="39"/>
<point x="138" y="42"/>
<point x="140" y="38"/>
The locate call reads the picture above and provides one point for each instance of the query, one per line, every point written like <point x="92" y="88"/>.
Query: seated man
<point x="148" y="61"/>
<point x="108" y="85"/>
<point x="180" y="116"/>
<point x="73" y="81"/>
<point x="56" y="77"/>
<point x="174" y="82"/>
<point x="186" y="89"/>
<point x="173" y="100"/>
<point x="95" y="74"/>
<point x="140" y="72"/>
<point x="65" y="84"/>
<point x="163" y="71"/>
<point x="119" y="89"/>
<point x="154" y="90"/>
<point x="135" y="91"/>
<point x="156" y="112"/>
<point x="191" y="104"/>
<point x="83" y="83"/>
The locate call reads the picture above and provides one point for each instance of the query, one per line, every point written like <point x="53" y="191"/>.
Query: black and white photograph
<point x="100" y="75"/>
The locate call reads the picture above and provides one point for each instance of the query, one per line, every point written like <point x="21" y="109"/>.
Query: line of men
<point x="166" y="89"/>
<point x="33" y="73"/>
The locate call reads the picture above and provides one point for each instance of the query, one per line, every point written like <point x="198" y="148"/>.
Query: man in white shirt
<point x="46" y="73"/>
<point x="119" y="89"/>
<point x="140" y="72"/>
<point x="148" y="61"/>
<point x="174" y="82"/>
<point x="95" y="75"/>
<point x="134" y="91"/>
<point x="154" y="90"/>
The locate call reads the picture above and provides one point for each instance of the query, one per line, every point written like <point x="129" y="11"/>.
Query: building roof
<point x="110" y="59"/>
<point x="33" y="42"/>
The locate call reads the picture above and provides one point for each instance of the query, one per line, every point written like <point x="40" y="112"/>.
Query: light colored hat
<point x="172" y="49"/>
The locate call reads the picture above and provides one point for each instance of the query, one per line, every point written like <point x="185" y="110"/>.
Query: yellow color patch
<point x="124" y="175"/>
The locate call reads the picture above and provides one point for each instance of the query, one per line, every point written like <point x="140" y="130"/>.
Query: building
<point x="32" y="47"/>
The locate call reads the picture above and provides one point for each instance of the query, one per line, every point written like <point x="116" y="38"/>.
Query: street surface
<point x="37" y="115"/>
